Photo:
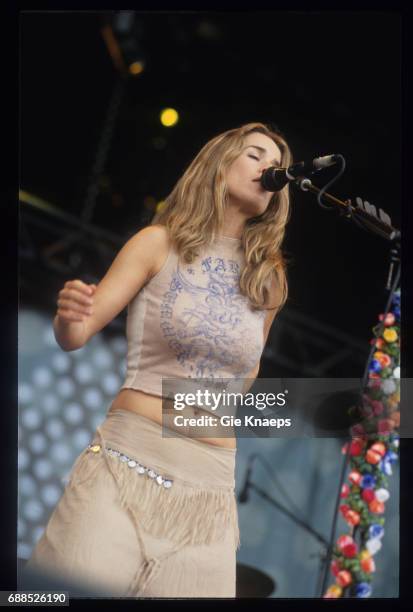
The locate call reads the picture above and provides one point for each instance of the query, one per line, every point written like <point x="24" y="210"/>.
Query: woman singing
<point x="145" y="514"/>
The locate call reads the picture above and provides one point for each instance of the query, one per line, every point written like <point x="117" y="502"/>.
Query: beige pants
<point x="127" y="533"/>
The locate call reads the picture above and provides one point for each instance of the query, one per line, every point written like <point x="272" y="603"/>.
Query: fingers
<point x="68" y="304"/>
<point x="69" y="316"/>
<point x="75" y="301"/>
<point x="79" y="285"/>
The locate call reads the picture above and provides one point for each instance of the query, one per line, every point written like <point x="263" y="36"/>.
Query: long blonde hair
<point x="198" y="201"/>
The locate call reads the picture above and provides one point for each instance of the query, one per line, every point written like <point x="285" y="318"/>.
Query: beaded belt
<point x="134" y="465"/>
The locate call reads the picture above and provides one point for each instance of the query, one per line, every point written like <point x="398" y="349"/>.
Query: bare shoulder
<point x="156" y="241"/>
<point x="157" y="235"/>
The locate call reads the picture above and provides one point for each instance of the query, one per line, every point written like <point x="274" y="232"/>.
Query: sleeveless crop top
<point x="190" y="321"/>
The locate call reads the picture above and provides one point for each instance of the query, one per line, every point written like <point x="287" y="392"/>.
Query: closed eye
<point x="254" y="157"/>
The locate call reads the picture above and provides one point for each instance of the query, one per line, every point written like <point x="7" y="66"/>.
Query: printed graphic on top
<point x="208" y="324"/>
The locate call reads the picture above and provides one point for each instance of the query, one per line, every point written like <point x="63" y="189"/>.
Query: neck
<point x="234" y="224"/>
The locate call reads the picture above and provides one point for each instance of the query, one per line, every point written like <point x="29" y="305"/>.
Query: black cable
<point x="333" y="180"/>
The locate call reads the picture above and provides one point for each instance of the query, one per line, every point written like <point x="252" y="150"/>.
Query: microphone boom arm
<point x="356" y="213"/>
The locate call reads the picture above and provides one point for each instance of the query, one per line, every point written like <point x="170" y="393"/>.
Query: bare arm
<point x="83" y="310"/>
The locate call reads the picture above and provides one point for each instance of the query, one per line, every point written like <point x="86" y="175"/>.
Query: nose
<point x="264" y="166"/>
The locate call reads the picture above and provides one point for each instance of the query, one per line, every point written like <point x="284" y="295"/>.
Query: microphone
<point x="274" y="179"/>
<point x="244" y="493"/>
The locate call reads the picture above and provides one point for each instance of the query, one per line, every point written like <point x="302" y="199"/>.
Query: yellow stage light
<point x="169" y="117"/>
<point x="160" y="206"/>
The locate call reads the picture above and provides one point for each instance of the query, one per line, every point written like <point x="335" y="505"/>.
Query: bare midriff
<point x="160" y="411"/>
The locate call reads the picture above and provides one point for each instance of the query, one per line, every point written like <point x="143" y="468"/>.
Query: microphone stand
<point x="386" y="231"/>
<point x="375" y="225"/>
<point x="299" y="522"/>
<point x="293" y="517"/>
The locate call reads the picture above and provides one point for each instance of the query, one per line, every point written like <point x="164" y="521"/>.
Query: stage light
<point x="27" y="485"/>
<point x="110" y="383"/>
<point x="42" y="377"/>
<point x="62" y="399"/>
<point x="50" y="403"/>
<point x="102" y="358"/>
<point x="93" y="398"/>
<point x="30" y="418"/>
<point x="37" y="443"/>
<point x="169" y="117"/>
<point x="136" y="68"/>
<point x="83" y="372"/>
<point x="42" y="469"/>
<point x="25" y="393"/>
<point x="65" y="387"/>
<point x="160" y="205"/>
<point x="61" y="362"/>
<point x="122" y="34"/>
<point x="54" y="429"/>
<point x="60" y="453"/>
<point x="50" y="494"/>
<point x="73" y="413"/>
<point x="23" y="550"/>
<point x="32" y="510"/>
<point x="81" y="438"/>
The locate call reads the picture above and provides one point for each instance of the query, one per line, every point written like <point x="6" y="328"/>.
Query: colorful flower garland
<point x="372" y="451"/>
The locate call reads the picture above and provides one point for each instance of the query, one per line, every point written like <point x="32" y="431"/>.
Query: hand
<point x="75" y="301"/>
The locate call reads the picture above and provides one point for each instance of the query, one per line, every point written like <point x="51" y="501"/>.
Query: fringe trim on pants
<point x="183" y="514"/>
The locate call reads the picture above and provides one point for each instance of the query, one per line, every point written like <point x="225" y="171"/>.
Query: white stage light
<point x="111" y="383"/>
<point x="83" y="372"/>
<point x="54" y="429"/>
<point x="50" y="494"/>
<point x="93" y="398"/>
<point x="26" y="484"/>
<point x="60" y="453"/>
<point x="42" y="468"/>
<point x="24" y="550"/>
<point x="73" y="413"/>
<point x="25" y="393"/>
<point x="37" y="443"/>
<point x="33" y="510"/>
<point x="61" y="362"/>
<point x="30" y="418"/>
<point x="42" y="377"/>
<point x="81" y="438"/>
<point x="65" y="387"/>
<point x="102" y="358"/>
<point x="50" y="403"/>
